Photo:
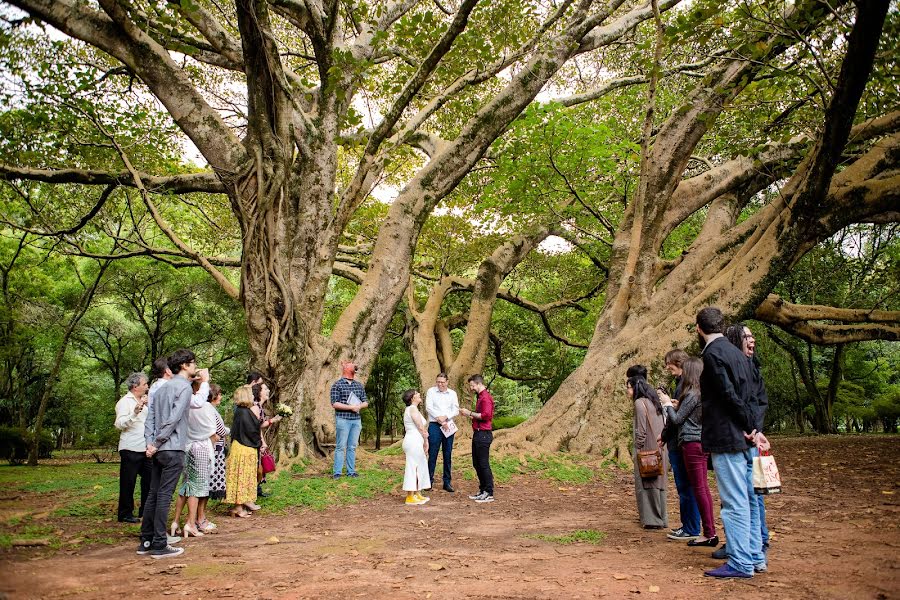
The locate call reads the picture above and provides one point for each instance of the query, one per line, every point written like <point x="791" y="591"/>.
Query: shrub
<point x="507" y="422"/>
<point x="15" y="443"/>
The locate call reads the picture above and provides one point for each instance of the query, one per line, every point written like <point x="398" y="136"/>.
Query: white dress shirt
<point x="438" y="403"/>
<point x="131" y="425"/>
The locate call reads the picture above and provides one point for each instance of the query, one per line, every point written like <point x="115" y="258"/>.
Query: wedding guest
<point x="649" y="492"/>
<point x="415" y="445"/>
<point x="131" y="413"/>
<point x="688" y="417"/>
<point x="240" y="486"/>
<point x="348" y="397"/>
<point x="165" y="432"/>
<point x="729" y="427"/>
<point x="687" y="503"/>
<point x="217" y="481"/>
<point x="198" y="469"/>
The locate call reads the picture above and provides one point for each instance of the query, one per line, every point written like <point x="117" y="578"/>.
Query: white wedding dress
<point x="415" y="477"/>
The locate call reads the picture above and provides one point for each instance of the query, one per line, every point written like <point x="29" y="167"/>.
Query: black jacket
<point x="760" y="397"/>
<point x="726" y="394"/>
<point x="245" y="428"/>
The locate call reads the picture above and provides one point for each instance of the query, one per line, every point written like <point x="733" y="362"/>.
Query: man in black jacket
<point x="729" y="431"/>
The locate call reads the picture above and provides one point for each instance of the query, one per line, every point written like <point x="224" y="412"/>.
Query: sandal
<point x="710" y="542"/>
<point x="240" y="513"/>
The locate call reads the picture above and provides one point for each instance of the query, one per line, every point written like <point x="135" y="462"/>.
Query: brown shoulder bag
<point x="650" y="462"/>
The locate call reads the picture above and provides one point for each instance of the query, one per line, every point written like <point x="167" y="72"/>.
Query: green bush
<point x="15" y="443"/>
<point x="507" y="422"/>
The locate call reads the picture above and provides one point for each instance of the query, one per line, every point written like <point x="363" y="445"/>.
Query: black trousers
<point x="131" y="465"/>
<point x="164" y="473"/>
<point x="481" y="460"/>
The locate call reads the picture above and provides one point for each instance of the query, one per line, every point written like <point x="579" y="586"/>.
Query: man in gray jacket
<point x="166" y="434"/>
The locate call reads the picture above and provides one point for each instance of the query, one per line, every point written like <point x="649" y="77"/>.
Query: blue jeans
<point x="740" y="509"/>
<point x="763" y="529"/>
<point x="437" y="441"/>
<point x="690" y="513"/>
<point x="346" y="438"/>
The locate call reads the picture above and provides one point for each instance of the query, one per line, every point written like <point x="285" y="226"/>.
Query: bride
<point x="415" y="445"/>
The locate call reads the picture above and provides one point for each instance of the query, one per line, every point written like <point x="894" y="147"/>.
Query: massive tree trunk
<point x="651" y="304"/>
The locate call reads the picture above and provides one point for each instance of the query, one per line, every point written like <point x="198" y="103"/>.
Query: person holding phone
<point x="687" y="501"/>
<point x="131" y="413"/>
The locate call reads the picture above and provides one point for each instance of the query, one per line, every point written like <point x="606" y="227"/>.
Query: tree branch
<point x="501" y="366"/>
<point x="803" y="321"/>
<point x="177" y="184"/>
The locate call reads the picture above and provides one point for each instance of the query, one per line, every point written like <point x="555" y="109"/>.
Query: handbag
<point x="267" y="461"/>
<point x="650" y="462"/>
<point x="766" y="479"/>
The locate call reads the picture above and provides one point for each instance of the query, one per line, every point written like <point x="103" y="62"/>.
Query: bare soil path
<point x="836" y="534"/>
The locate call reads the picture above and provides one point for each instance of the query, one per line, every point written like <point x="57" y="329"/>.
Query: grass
<point x="582" y="536"/>
<point x="562" y="468"/>
<point x="320" y="491"/>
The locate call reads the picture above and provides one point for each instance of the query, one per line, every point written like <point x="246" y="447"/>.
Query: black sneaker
<point x="485" y="498"/>
<point x="166" y="552"/>
<point x="477" y="496"/>
<point x="449" y="488"/>
<point x="144" y="548"/>
<point x="721" y="553"/>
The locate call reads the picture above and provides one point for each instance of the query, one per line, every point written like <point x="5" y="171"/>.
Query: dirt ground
<point x="835" y="534"/>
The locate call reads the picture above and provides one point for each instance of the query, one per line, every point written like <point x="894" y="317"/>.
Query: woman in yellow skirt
<point x="240" y="487"/>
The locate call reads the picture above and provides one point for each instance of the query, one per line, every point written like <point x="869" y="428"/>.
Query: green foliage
<point x="507" y="422"/>
<point x="579" y="536"/>
<point x="15" y="444"/>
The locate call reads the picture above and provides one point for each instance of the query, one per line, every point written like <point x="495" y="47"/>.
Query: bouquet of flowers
<point x="283" y="410"/>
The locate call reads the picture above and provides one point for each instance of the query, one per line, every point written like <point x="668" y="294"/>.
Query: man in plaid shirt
<point x="348" y="397"/>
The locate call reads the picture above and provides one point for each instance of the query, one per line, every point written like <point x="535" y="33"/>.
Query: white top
<point x="411" y="419"/>
<point x="438" y="403"/>
<point x="131" y="425"/>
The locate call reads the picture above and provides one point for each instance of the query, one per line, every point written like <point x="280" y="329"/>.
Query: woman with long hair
<point x="415" y="445"/>
<point x="650" y="492"/>
<point x="687" y="415"/>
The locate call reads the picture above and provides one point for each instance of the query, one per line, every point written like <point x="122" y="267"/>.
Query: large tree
<point x="297" y="160"/>
<point x="286" y="168"/>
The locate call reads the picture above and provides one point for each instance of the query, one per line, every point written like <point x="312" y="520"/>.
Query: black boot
<point x="260" y="493"/>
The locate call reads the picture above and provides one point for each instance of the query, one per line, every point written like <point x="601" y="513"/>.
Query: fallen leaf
<point x="619" y="576"/>
<point x="436" y="566"/>
<point x="272" y="540"/>
<point x="888" y="492"/>
<point x="654" y="589"/>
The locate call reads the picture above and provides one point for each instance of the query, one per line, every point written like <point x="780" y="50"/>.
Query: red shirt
<point x="484" y="405"/>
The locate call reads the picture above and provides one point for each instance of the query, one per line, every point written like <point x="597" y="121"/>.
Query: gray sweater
<point x="688" y="417"/>
<point x="166" y="426"/>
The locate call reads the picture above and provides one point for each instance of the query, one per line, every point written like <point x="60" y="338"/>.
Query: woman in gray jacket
<point x="650" y="492"/>
<point x="687" y="414"/>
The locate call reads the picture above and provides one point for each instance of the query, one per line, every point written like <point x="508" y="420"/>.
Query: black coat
<point x="726" y="394"/>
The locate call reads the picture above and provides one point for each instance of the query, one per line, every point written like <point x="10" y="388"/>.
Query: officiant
<point x="441" y="405"/>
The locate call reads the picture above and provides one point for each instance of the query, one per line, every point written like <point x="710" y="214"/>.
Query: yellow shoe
<point x="411" y="500"/>
<point x="422" y="499"/>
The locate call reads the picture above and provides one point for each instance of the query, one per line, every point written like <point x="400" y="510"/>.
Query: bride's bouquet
<point x="283" y="410"/>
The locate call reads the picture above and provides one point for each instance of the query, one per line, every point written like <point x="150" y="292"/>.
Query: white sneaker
<point x="477" y="496"/>
<point x="173" y="539"/>
<point x="485" y="498"/>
